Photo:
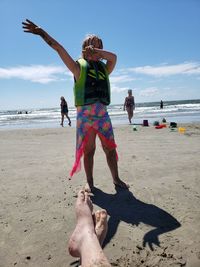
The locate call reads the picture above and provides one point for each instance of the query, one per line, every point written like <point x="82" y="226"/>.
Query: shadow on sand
<point x="123" y="206"/>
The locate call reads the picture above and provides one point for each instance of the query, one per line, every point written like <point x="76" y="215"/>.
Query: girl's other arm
<point x="97" y="54"/>
<point x="111" y="59"/>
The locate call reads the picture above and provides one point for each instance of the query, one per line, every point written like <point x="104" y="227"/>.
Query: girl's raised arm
<point x="30" y="27"/>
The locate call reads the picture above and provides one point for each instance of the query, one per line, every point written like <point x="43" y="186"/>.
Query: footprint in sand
<point x="7" y="228"/>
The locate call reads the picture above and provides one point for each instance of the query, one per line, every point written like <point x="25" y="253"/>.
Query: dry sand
<point x="156" y="223"/>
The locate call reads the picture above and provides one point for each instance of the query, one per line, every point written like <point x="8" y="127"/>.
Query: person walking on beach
<point x="129" y="105"/>
<point x="92" y="95"/>
<point x="64" y="111"/>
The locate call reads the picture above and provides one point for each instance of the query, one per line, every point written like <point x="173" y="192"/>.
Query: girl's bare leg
<point x="84" y="242"/>
<point x="112" y="163"/>
<point x="89" y="151"/>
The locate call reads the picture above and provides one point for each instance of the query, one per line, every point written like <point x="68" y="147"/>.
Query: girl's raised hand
<point x="92" y="53"/>
<point x="30" y="27"/>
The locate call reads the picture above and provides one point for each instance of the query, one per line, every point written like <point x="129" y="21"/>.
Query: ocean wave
<point x="143" y="110"/>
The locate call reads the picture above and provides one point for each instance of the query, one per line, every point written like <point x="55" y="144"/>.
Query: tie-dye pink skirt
<point x="92" y="117"/>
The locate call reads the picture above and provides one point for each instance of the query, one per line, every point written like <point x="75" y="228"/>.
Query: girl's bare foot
<point x="89" y="187"/>
<point x="119" y="183"/>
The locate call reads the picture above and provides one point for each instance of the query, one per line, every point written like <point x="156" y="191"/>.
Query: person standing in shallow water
<point x="129" y="105"/>
<point x="92" y="95"/>
<point x="64" y="111"/>
<point x="161" y="104"/>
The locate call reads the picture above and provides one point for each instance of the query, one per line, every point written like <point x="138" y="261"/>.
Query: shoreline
<point x="121" y="121"/>
<point x="180" y="111"/>
<point x="161" y="209"/>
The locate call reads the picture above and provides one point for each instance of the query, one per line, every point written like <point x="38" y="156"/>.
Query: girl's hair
<point x="89" y="40"/>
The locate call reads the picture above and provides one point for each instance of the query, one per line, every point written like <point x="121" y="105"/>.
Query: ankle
<point x="90" y="181"/>
<point x="116" y="179"/>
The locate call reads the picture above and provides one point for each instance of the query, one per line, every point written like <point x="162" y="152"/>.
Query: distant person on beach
<point x="161" y="104"/>
<point x="64" y="111"/>
<point x="92" y="95"/>
<point x="88" y="236"/>
<point x="129" y="105"/>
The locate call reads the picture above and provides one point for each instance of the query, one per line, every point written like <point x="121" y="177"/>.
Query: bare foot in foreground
<point x="85" y="223"/>
<point x="101" y="225"/>
<point x="84" y="242"/>
<point x="121" y="184"/>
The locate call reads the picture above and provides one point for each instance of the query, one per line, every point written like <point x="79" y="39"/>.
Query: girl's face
<point x="92" y="56"/>
<point x="88" y="49"/>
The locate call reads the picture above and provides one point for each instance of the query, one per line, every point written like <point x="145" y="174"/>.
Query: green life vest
<point x="93" y="84"/>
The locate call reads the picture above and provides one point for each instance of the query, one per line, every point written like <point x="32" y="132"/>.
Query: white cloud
<point x="46" y="74"/>
<point x="151" y="91"/>
<point x="35" y="73"/>
<point x="167" y="70"/>
<point x="117" y="89"/>
<point x="117" y="81"/>
<point x="121" y="79"/>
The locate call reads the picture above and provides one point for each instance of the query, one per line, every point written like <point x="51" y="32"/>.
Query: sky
<point x="157" y="43"/>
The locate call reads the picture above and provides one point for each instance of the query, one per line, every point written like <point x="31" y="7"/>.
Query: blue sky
<point x="157" y="43"/>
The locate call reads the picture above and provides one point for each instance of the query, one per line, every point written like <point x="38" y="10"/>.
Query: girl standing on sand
<point x="92" y="95"/>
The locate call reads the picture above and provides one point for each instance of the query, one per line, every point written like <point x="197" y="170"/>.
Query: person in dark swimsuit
<point x="161" y="104"/>
<point x="129" y="105"/>
<point x="64" y="111"/>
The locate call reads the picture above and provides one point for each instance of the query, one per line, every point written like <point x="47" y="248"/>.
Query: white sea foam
<point x="188" y="111"/>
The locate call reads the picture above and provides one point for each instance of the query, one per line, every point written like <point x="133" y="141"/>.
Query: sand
<point x="156" y="223"/>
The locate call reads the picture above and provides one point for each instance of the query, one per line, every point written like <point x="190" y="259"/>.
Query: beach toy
<point x="173" y="125"/>
<point x="145" y="123"/>
<point x="181" y="130"/>
<point x="134" y="128"/>
<point x="156" y="123"/>
<point x="161" y="126"/>
<point x="172" y="129"/>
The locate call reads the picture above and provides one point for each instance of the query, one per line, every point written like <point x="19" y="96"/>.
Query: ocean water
<point x="184" y="111"/>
